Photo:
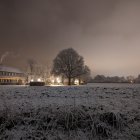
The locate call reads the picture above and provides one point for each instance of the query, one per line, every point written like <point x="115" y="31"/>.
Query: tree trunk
<point x="69" y="80"/>
<point x="62" y="80"/>
<point x="79" y="81"/>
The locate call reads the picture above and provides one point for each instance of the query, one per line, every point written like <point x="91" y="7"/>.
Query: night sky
<point x="105" y="32"/>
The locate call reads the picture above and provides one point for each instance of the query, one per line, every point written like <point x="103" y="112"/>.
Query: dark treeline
<point x="115" y="79"/>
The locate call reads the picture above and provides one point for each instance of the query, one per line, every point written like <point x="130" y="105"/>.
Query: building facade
<point x="11" y="76"/>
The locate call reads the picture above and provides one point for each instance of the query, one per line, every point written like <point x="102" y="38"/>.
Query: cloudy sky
<point x="105" y="32"/>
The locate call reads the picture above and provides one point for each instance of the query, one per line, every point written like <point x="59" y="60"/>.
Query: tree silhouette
<point x="69" y="64"/>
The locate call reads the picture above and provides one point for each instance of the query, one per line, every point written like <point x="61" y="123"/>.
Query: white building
<point x="11" y="76"/>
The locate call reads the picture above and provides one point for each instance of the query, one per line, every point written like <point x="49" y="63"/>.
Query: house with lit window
<point x="11" y="76"/>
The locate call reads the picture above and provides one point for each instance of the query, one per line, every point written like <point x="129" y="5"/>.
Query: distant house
<point x="11" y="76"/>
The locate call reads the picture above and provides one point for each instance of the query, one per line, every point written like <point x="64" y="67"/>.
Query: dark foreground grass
<point x="65" y="123"/>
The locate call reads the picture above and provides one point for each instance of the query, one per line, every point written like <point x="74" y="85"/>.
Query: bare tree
<point x="86" y="76"/>
<point x="137" y="80"/>
<point x="31" y="64"/>
<point x="69" y="64"/>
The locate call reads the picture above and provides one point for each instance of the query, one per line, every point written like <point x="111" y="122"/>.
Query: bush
<point x="37" y="83"/>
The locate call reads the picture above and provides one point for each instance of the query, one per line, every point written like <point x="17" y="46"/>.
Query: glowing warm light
<point x="76" y="82"/>
<point x="32" y="80"/>
<point x="53" y="81"/>
<point x="38" y="79"/>
<point x="58" y="80"/>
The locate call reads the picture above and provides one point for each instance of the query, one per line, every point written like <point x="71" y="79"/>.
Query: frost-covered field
<point x="70" y="113"/>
